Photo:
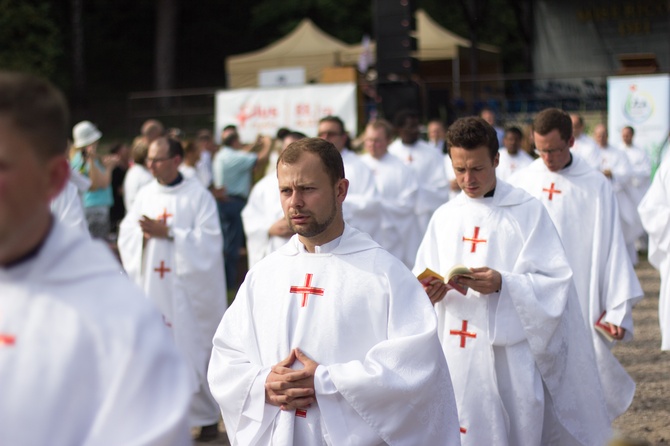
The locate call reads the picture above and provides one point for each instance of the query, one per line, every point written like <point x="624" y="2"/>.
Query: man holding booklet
<point x="521" y="360"/>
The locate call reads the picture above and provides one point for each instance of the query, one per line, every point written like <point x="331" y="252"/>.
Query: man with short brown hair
<point x="171" y="246"/>
<point x="517" y="334"/>
<point x="583" y="208"/>
<point x="330" y="338"/>
<point x="84" y="358"/>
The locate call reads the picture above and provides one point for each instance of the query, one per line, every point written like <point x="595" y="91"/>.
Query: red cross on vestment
<point x="164" y="216"/>
<point x="551" y="191"/>
<point x="306" y="289"/>
<point x="301" y="413"/>
<point x="464" y="430"/>
<point x="463" y="333"/>
<point x="162" y="270"/>
<point x="7" y="339"/>
<point x="475" y="239"/>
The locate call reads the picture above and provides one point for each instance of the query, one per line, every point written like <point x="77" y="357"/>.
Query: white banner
<point x="642" y="102"/>
<point x="265" y="110"/>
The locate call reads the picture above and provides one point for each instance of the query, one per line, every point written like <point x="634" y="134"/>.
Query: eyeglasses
<point x="158" y="160"/>
<point x="549" y="152"/>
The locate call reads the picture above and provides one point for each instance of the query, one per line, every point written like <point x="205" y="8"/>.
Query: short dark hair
<point x="38" y="110"/>
<point x="175" y="148"/>
<point x="230" y="139"/>
<point x="632" y="130"/>
<point x="336" y="120"/>
<point x="326" y="151"/>
<point x="282" y="133"/>
<point x="472" y="133"/>
<point x="553" y="119"/>
<point x="295" y="135"/>
<point x="516" y="130"/>
<point x="402" y="116"/>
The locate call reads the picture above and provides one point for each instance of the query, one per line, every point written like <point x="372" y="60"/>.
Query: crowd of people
<point x="331" y="338"/>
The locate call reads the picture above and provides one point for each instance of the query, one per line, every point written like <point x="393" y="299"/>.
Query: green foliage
<point x="29" y="39"/>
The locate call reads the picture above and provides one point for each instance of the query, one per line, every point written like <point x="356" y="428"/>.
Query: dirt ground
<point x="647" y="421"/>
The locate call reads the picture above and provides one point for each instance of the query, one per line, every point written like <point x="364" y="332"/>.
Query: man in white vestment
<point x="641" y="179"/>
<point x="84" y="358"/>
<point x="584" y="145"/>
<point x="425" y="161"/>
<point x="512" y="158"/>
<point x="397" y="188"/>
<point x="170" y="244"/>
<point x="361" y="210"/>
<point x="137" y="176"/>
<point x="584" y="210"/>
<point x="265" y="226"/>
<point x="521" y="359"/>
<point x="330" y="339"/>
<point x="655" y="214"/>
<point x="435" y="131"/>
<point x="67" y="208"/>
<point x="614" y="164"/>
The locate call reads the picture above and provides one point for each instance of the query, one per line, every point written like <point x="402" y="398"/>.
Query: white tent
<point x="309" y="47"/>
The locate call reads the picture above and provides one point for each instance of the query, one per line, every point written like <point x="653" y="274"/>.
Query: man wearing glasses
<point x="171" y="246"/>
<point x="583" y="207"/>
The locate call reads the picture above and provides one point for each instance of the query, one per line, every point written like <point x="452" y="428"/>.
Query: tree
<point x="29" y="39"/>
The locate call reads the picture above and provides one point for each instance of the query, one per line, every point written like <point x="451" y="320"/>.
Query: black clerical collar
<point x="177" y="180"/>
<point x="490" y="193"/>
<point x="30" y="254"/>
<point x="569" y="163"/>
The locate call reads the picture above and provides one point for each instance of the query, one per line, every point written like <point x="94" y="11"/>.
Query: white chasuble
<point x="584" y="210"/>
<point x="397" y="189"/>
<point x="361" y="208"/>
<point x="183" y="276"/>
<point x="428" y="165"/>
<point x="521" y="360"/>
<point x="262" y="210"/>
<point x="358" y="312"/>
<point x="655" y="214"/>
<point x="85" y="359"/>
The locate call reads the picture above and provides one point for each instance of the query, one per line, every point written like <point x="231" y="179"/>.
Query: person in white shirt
<point x="397" y="189"/>
<point x="84" y="356"/>
<point x="584" y="209"/>
<point x="520" y="356"/>
<point x="512" y="158"/>
<point x="330" y="339"/>
<point x="425" y="161"/>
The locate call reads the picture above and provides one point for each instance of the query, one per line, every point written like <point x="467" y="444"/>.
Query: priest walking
<point x="520" y="357"/>
<point x="330" y="340"/>
<point x="583" y="207"/>
<point x="170" y="244"/>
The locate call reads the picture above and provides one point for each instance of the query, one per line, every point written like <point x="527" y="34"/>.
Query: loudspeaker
<point x="394" y="25"/>
<point x="396" y="96"/>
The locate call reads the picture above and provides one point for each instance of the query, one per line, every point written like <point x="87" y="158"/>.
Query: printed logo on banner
<point x="255" y="111"/>
<point x="639" y="105"/>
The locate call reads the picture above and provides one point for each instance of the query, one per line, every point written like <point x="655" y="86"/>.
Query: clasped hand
<point x="288" y="388"/>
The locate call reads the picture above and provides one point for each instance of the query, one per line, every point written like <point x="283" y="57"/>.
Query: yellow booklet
<point x="428" y="275"/>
